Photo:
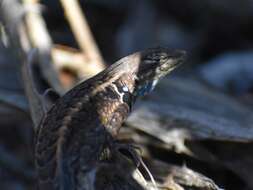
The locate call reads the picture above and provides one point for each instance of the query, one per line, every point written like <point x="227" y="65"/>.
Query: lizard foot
<point x="131" y="150"/>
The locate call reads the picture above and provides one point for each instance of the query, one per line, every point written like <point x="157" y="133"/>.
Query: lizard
<point x="81" y="124"/>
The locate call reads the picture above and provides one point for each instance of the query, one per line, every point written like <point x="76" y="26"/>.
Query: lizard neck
<point x="114" y="102"/>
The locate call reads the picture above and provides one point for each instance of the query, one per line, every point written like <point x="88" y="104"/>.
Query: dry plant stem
<point x="65" y="57"/>
<point x="41" y="40"/>
<point x="12" y="13"/>
<point x="36" y="103"/>
<point x="36" y="27"/>
<point x="82" y="32"/>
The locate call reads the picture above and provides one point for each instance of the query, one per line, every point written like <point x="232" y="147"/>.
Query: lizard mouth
<point x="178" y="58"/>
<point x="173" y="61"/>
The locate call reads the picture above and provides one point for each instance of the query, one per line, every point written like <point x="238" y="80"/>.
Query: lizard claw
<point x="129" y="150"/>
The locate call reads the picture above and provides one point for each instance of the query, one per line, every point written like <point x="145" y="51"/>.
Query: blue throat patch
<point x="146" y="88"/>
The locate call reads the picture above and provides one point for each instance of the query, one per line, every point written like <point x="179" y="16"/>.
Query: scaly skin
<point x="83" y="123"/>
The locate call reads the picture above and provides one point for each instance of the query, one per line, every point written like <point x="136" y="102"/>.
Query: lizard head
<point x="137" y="74"/>
<point x="154" y="64"/>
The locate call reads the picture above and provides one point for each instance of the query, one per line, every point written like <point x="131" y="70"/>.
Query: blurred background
<point x="207" y="103"/>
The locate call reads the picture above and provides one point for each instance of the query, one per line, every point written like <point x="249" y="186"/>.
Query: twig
<point x="65" y="57"/>
<point x="35" y="97"/>
<point x="12" y="13"/>
<point x="41" y="40"/>
<point x="82" y="32"/>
